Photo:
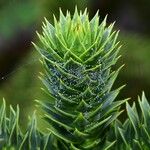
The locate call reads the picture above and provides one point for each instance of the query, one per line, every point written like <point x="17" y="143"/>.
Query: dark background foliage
<point x="19" y="62"/>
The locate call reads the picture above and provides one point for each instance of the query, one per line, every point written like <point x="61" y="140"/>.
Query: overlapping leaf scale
<point x="78" y="55"/>
<point x="135" y="132"/>
<point x="11" y="136"/>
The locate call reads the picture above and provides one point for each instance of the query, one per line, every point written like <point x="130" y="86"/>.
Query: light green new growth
<point x="78" y="55"/>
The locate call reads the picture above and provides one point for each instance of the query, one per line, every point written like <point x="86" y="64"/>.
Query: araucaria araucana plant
<point x="78" y="55"/>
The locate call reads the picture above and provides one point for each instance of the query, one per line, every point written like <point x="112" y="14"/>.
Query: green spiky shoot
<point x="78" y="55"/>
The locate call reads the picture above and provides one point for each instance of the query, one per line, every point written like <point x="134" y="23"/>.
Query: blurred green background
<point x="19" y="62"/>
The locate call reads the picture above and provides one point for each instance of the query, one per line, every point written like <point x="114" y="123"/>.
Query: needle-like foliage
<point x="134" y="133"/>
<point x="78" y="55"/>
<point x="11" y="136"/>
